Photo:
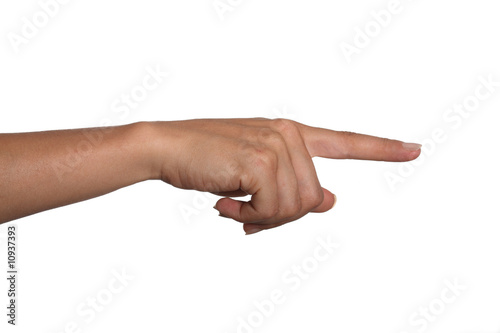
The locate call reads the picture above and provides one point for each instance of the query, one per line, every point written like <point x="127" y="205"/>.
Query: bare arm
<point x="269" y="159"/>
<point x="44" y="170"/>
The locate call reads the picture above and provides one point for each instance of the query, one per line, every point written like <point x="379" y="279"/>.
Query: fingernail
<point x="220" y="214"/>
<point x="252" y="230"/>
<point x="412" y="146"/>
<point x="334" y="200"/>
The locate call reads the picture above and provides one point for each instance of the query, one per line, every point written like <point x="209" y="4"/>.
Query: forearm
<point x="44" y="170"/>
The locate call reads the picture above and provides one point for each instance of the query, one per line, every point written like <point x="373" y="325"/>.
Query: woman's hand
<point x="268" y="159"/>
<point x="271" y="160"/>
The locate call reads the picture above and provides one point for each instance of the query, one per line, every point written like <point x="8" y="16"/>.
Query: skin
<point x="269" y="159"/>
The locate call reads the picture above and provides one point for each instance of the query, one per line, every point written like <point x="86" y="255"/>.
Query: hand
<point x="271" y="160"/>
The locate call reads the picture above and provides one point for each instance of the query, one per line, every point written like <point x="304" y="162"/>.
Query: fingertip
<point x="251" y="229"/>
<point x="415" y="154"/>
<point x="412" y="146"/>
<point x="411" y="150"/>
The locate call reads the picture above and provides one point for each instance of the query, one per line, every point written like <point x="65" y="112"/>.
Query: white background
<point x="197" y="272"/>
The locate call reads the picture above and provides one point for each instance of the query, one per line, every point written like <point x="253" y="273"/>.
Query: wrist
<point x="157" y="145"/>
<point x="142" y="138"/>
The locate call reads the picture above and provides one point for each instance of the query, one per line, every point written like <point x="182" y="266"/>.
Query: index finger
<point x="346" y="145"/>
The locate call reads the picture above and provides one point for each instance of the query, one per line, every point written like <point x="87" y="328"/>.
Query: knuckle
<point x="265" y="132"/>
<point x="270" y="137"/>
<point x="285" y="126"/>
<point x="267" y="158"/>
<point x="386" y="144"/>
<point x="262" y="158"/>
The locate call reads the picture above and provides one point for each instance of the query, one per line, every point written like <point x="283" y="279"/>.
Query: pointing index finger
<point x="346" y="145"/>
